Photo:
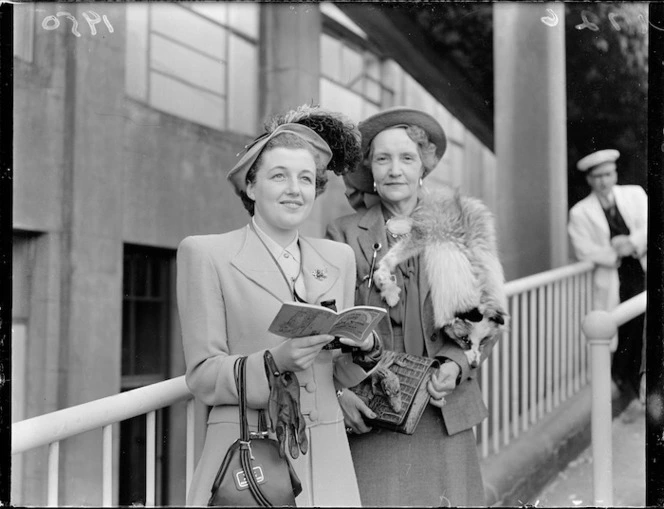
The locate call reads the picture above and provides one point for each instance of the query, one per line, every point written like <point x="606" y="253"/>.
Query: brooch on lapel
<point x="320" y="274"/>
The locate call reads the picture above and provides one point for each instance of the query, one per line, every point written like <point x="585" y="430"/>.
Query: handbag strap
<point x="240" y="384"/>
<point x="246" y="455"/>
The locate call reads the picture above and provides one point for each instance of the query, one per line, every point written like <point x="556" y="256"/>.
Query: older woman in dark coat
<point x="438" y="464"/>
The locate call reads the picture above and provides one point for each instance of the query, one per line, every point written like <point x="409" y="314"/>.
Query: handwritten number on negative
<point x="52" y="23"/>
<point x="92" y="21"/>
<point x="550" y="20"/>
<point x="586" y="23"/>
<point x="74" y="23"/>
<point x="50" y="19"/>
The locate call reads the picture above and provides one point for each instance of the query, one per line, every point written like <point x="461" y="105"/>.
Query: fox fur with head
<point x="456" y="235"/>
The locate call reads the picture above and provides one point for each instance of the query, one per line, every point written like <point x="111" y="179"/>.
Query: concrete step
<point x="521" y="471"/>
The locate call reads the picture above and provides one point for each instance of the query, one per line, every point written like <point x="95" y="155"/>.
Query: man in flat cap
<point x="609" y="228"/>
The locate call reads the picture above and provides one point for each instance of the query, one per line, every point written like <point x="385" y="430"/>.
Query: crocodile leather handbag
<point x="413" y="372"/>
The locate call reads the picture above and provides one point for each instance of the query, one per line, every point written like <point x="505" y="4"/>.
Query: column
<point x="530" y="136"/>
<point x="92" y="245"/>
<point x="290" y="34"/>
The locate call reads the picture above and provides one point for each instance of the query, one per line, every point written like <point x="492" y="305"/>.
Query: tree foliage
<point x="607" y="69"/>
<point x="607" y="79"/>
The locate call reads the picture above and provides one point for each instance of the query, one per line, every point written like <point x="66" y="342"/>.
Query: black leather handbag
<point x="273" y="481"/>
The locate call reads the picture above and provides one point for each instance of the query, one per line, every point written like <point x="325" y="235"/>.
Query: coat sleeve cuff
<point x="369" y="360"/>
<point x="454" y="353"/>
<point x="346" y="372"/>
<point x="258" y="389"/>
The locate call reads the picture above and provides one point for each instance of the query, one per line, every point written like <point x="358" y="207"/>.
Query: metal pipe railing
<point x="599" y="328"/>
<point x="540" y="361"/>
<point x="544" y="278"/>
<point x="61" y="424"/>
<point x="521" y="383"/>
<point x="107" y="468"/>
<point x="103" y="413"/>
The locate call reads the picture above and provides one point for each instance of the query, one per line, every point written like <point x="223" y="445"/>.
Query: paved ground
<point x="574" y="486"/>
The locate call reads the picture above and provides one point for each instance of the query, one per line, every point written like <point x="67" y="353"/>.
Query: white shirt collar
<point x="608" y="201"/>
<point x="292" y="249"/>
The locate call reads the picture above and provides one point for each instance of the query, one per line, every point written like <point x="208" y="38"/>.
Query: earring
<point x="421" y="181"/>
<point x="374" y="187"/>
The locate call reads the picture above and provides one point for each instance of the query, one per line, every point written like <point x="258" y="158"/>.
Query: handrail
<point x="544" y="278"/>
<point x="541" y="362"/>
<point x="599" y="327"/>
<point x="74" y="420"/>
<point x="538" y="303"/>
<point x="630" y="309"/>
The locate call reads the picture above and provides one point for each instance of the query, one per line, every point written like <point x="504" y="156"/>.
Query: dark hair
<point x="284" y="140"/>
<point x="425" y="148"/>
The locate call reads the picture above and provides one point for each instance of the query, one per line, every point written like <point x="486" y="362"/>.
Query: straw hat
<point x="360" y="181"/>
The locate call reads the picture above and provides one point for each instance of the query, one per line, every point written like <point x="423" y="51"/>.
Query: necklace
<point x="398" y="226"/>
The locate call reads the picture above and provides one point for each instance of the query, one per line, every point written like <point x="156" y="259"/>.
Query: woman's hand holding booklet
<point x="298" y="319"/>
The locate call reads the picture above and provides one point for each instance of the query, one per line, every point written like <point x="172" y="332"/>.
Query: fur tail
<point x="454" y="287"/>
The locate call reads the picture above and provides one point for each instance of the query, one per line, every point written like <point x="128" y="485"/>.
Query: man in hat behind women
<point x="609" y="228"/>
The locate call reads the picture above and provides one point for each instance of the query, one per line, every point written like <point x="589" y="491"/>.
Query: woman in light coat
<point x="230" y="287"/>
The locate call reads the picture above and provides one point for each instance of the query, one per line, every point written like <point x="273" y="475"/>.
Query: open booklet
<point x="298" y="319"/>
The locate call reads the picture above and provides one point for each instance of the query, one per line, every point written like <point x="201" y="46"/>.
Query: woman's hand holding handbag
<point x="443" y="382"/>
<point x="413" y="373"/>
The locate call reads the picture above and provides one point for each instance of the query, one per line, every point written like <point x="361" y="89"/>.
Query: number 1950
<point x="52" y="22"/>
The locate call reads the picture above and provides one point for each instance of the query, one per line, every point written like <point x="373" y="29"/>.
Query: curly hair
<point x="285" y="140"/>
<point x="425" y="148"/>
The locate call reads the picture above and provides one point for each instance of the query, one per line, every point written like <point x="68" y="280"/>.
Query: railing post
<point x="599" y="327"/>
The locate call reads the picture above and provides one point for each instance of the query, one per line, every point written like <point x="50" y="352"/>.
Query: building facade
<point x="127" y="117"/>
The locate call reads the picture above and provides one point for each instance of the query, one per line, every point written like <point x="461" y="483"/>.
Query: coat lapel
<point x="318" y="273"/>
<point x="254" y="261"/>
<point x="622" y="206"/>
<point x="426" y="307"/>
<point x="596" y="213"/>
<point x="372" y="231"/>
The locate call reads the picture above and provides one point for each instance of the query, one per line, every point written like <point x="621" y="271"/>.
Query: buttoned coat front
<point x="464" y="406"/>
<point x="591" y="239"/>
<point x="229" y="289"/>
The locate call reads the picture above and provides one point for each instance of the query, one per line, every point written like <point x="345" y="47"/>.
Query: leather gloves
<point x="286" y="419"/>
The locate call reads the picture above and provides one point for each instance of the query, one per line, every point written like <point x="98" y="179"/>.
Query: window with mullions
<point x="196" y="60"/>
<point x="353" y="79"/>
<point x="145" y="315"/>
<point x="146" y="339"/>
